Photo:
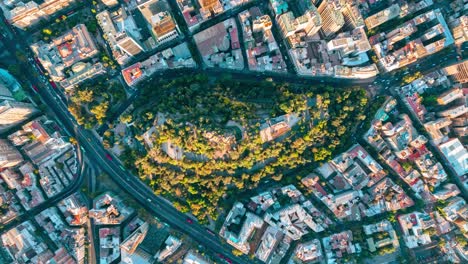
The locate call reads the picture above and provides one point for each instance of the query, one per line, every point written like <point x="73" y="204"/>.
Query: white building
<point x="456" y="154"/>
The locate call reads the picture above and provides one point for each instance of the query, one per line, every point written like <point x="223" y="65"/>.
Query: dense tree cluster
<point x="193" y="107"/>
<point x="90" y="103"/>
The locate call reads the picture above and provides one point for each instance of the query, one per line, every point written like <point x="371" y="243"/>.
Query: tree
<point x="193" y="107"/>
<point x="85" y="96"/>
<point x="100" y="111"/>
<point x="430" y="231"/>
<point x="322" y="154"/>
<point x="237" y="252"/>
<point x="392" y="217"/>
<point x="47" y="31"/>
<point x="410" y="78"/>
<point x="126" y="118"/>
<point x="21" y="56"/>
<point x="429" y="100"/>
<point x="73" y="140"/>
<point x="14" y="69"/>
<point x="461" y="240"/>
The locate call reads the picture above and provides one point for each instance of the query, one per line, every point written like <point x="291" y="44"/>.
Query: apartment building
<point x="332" y="18"/>
<point x="25" y="14"/>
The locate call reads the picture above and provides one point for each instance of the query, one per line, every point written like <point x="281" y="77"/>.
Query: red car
<point x="221" y="256"/>
<point x="108" y="156"/>
<point x="190" y="221"/>
<point x="53" y="84"/>
<point x="34" y="88"/>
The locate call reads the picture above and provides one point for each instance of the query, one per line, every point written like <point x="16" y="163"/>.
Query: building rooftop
<point x="383" y="16"/>
<point x="64" y="51"/>
<point x="456" y="154"/>
<point x="306" y="252"/>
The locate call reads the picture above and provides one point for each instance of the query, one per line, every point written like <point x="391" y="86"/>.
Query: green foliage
<point x="193" y="106"/>
<point x="407" y="166"/>
<point x="14" y="69"/>
<point x="100" y="111"/>
<point x="412" y="77"/>
<point x="83" y="96"/>
<point x="97" y="97"/>
<point x="91" y="24"/>
<point x="237" y="252"/>
<point x="322" y="154"/>
<point x="47" y="31"/>
<point x="429" y="100"/>
<point x="389" y="249"/>
<point x="126" y="118"/>
<point x="461" y="240"/>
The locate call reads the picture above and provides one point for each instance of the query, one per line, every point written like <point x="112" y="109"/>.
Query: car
<point x="228" y="260"/>
<point x="53" y="84"/>
<point x="149" y="200"/>
<point x="34" y="88"/>
<point x="210" y="232"/>
<point x="188" y="220"/>
<point x="108" y="156"/>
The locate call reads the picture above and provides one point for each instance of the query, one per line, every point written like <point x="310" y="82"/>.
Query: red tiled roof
<point x="234" y="39"/>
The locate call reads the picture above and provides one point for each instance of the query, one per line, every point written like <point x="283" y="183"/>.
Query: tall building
<point x="23" y="15"/>
<point x="119" y="30"/>
<point x="209" y="7"/>
<point x="128" y="44"/>
<point x="9" y="155"/>
<point x="458" y="72"/>
<point x="450" y="96"/>
<point x="350" y="43"/>
<point x="332" y="18"/>
<point x="12" y="112"/>
<point x="309" y="22"/>
<point x="142" y="246"/>
<point x="163" y="26"/>
<point x="456" y="154"/>
<point x="110" y="3"/>
<point x="460" y="30"/>
<point x="383" y="16"/>
<point x="352" y="15"/>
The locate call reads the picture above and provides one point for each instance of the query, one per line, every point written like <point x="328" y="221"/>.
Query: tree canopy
<point x="192" y="116"/>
